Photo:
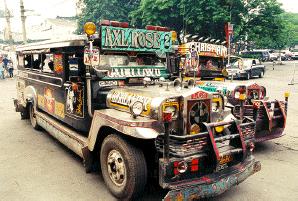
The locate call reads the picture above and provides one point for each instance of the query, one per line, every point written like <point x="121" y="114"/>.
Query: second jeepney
<point x="105" y="96"/>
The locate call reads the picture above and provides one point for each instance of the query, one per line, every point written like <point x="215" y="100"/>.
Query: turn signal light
<point x="256" y="105"/>
<point x="167" y="116"/>
<point x="219" y="129"/>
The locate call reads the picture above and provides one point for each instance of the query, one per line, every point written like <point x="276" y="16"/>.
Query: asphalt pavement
<point x="36" y="167"/>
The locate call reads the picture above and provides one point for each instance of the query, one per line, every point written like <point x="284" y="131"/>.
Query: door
<point x="74" y="87"/>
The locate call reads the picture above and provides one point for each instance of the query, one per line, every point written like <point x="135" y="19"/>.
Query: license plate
<point x="225" y="159"/>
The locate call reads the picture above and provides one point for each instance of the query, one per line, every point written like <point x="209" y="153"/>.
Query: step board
<point x="63" y="134"/>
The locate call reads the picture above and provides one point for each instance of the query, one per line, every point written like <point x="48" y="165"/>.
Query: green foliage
<point x="262" y="22"/>
<point x="106" y="9"/>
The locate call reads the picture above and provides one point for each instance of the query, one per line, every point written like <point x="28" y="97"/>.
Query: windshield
<point x="139" y="60"/>
<point x="241" y="64"/>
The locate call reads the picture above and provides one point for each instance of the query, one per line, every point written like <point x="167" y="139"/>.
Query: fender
<point x="141" y="127"/>
<point x="30" y="95"/>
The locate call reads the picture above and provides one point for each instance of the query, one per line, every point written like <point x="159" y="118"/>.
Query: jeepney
<point x="202" y="60"/>
<point x="105" y="96"/>
<point x="270" y="115"/>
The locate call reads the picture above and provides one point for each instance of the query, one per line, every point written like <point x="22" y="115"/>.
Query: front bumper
<point x="214" y="184"/>
<point x="237" y="75"/>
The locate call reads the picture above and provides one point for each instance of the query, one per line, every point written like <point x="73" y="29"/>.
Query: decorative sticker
<point x="75" y="100"/>
<point x="199" y="95"/>
<point x="40" y="101"/>
<point x="49" y="100"/>
<point x="125" y="99"/>
<point x="58" y="63"/>
<point x="59" y="109"/>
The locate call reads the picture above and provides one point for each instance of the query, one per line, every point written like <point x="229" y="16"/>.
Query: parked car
<point x="272" y="57"/>
<point x="262" y="55"/>
<point x="295" y="54"/>
<point x="246" y="68"/>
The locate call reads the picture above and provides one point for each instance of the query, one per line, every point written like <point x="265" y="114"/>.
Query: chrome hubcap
<point x="116" y="168"/>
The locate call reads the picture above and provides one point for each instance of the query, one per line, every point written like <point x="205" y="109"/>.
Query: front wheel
<point x="32" y="116"/>
<point x="123" y="168"/>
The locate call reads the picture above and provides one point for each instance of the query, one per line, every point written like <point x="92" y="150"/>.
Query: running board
<point x="63" y="134"/>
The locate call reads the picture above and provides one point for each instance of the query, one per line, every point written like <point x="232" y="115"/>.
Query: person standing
<point x="10" y="68"/>
<point x="1" y="69"/>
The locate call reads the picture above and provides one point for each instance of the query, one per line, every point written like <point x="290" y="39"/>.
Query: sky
<point x="52" y="8"/>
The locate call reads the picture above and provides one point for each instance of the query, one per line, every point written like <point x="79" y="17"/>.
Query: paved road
<point x="34" y="166"/>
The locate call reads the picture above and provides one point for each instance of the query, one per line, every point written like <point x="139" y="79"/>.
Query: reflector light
<point x="124" y="24"/>
<point x="150" y="27"/>
<point x="194" y="165"/>
<point x="157" y="28"/>
<point x="175" y="168"/>
<point x="115" y="23"/>
<point x="105" y="22"/>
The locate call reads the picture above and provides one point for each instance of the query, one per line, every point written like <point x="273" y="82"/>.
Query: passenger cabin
<point x="120" y="56"/>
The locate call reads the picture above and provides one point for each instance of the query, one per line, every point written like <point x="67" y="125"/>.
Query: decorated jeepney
<point x="202" y="60"/>
<point x="270" y="115"/>
<point x="105" y="96"/>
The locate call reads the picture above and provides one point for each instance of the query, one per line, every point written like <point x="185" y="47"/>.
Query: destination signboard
<point x="127" y="39"/>
<point x="203" y="49"/>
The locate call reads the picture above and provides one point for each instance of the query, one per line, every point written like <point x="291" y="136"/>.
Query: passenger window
<point x="48" y="63"/>
<point x="73" y="63"/>
<point x="36" y="61"/>
<point x="28" y="61"/>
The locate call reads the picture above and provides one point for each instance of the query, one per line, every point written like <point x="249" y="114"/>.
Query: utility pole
<point x="23" y="18"/>
<point x="7" y="17"/>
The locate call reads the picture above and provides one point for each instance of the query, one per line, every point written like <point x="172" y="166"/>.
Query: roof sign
<point x="127" y="39"/>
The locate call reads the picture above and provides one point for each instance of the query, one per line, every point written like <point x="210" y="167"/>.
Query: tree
<point x="203" y="17"/>
<point x="95" y="11"/>
<point x="259" y="22"/>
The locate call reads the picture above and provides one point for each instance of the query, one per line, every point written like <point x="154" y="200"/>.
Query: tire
<point x="33" y="118"/>
<point x="131" y="176"/>
<point x="247" y="76"/>
<point x="261" y="74"/>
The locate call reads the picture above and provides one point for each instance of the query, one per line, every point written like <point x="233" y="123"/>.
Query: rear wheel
<point x="123" y="168"/>
<point x="33" y="117"/>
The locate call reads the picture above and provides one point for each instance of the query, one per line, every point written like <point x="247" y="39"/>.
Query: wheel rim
<point x="116" y="168"/>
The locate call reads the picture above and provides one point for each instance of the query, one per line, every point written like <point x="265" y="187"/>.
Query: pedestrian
<point x="10" y="68"/>
<point x="1" y="69"/>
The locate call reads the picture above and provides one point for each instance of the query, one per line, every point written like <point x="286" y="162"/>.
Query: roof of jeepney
<point x="79" y="40"/>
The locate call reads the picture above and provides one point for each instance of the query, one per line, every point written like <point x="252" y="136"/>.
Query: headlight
<point x="136" y="109"/>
